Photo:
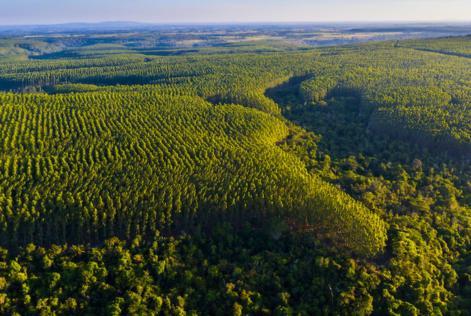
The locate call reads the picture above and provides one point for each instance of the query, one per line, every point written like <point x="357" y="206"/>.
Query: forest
<point x="38" y="40"/>
<point x="243" y="178"/>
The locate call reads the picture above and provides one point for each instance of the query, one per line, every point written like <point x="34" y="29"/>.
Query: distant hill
<point x="75" y="26"/>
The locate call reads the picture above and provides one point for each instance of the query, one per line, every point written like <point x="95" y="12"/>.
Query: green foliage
<point x="134" y="142"/>
<point x="86" y="167"/>
<point x="455" y="46"/>
<point x="291" y="277"/>
<point x="422" y="199"/>
<point x="26" y="47"/>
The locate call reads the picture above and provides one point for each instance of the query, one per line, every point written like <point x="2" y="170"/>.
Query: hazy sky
<point x="181" y="11"/>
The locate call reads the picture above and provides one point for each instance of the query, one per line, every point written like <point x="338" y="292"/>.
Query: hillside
<point x="26" y="47"/>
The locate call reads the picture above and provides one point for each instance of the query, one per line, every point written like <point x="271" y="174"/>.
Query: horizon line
<point x="246" y="22"/>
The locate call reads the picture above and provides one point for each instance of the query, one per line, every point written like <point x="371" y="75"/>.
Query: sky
<point x="26" y="12"/>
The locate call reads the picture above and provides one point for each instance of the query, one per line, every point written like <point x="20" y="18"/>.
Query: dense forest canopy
<point x="244" y="178"/>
